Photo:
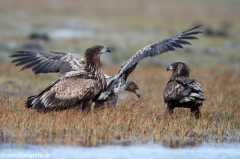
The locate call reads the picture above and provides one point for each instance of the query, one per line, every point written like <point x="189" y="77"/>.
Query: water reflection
<point x="150" y="151"/>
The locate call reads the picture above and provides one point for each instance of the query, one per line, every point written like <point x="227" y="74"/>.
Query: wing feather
<point x="31" y="64"/>
<point x="63" y="93"/>
<point x="181" y="90"/>
<point x="39" y="68"/>
<point x="183" y="42"/>
<point x="193" y="28"/>
<point x="193" y="33"/>
<point x="48" y="62"/>
<point x="24" y="61"/>
<point x="188" y="37"/>
<point x="156" y="49"/>
<point x="22" y="53"/>
<point x="170" y="91"/>
<point x="45" y="69"/>
<point x="56" y="66"/>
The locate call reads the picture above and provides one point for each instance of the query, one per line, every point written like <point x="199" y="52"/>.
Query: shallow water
<point x="149" y="151"/>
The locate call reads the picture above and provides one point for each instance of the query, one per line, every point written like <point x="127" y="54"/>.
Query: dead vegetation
<point x="127" y="27"/>
<point x="133" y="120"/>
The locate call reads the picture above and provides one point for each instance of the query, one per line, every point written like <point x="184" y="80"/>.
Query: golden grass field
<point x="133" y="120"/>
<point x="128" y="27"/>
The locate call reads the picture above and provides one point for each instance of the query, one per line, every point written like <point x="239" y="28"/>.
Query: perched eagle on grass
<point x="71" y="65"/>
<point x="119" y="82"/>
<point x="183" y="91"/>
<point x="76" y="88"/>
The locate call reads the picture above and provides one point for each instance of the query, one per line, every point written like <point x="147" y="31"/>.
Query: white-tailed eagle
<point x="183" y="91"/>
<point x="118" y="83"/>
<point x="72" y="65"/>
<point x="68" y="64"/>
<point x="83" y="78"/>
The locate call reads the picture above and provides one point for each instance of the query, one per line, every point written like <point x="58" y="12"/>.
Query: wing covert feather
<point x="155" y="49"/>
<point x="53" y="62"/>
<point x="67" y="92"/>
<point x="176" y="90"/>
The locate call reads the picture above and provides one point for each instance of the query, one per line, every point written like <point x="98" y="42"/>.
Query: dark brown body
<point x="75" y="88"/>
<point x="182" y="91"/>
<point x="194" y="108"/>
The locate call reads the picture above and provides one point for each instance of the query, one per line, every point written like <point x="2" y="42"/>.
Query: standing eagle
<point x="183" y="91"/>
<point x="119" y="82"/>
<point x="76" y="88"/>
<point x="70" y="65"/>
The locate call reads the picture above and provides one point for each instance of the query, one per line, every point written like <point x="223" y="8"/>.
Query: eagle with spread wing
<point x="71" y="66"/>
<point x="83" y="77"/>
<point x="119" y="82"/>
<point x="183" y="91"/>
<point x="68" y="64"/>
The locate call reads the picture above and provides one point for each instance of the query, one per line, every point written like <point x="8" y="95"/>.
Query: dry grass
<point x="132" y="120"/>
<point x="129" y="27"/>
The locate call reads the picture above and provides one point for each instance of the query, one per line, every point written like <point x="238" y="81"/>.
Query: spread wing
<point x="183" y="90"/>
<point x="63" y="93"/>
<point x="54" y="62"/>
<point x="156" y="49"/>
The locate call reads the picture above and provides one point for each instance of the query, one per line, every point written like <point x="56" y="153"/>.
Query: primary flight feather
<point x="118" y="82"/>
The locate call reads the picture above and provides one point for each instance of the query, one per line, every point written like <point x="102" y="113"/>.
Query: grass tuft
<point x="133" y="120"/>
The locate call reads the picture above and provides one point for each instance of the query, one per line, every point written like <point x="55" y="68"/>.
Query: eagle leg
<point x="195" y="111"/>
<point x="170" y="108"/>
<point x="112" y="102"/>
<point x="79" y="106"/>
<point x="87" y="105"/>
<point x="99" y="105"/>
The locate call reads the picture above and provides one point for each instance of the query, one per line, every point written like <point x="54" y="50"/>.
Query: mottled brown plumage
<point x="118" y="82"/>
<point x="71" y="65"/>
<point x="66" y="93"/>
<point x="66" y="63"/>
<point x="182" y="91"/>
<point x="75" y="88"/>
<point x="113" y="96"/>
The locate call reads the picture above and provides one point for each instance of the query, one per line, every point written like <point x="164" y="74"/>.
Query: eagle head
<point x="92" y="56"/>
<point x="133" y="87"/>
<point x="179" y="69"/>
<point x="96" y="50"/>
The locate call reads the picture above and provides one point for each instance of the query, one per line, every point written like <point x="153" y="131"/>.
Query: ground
<point x="126" y="27"/>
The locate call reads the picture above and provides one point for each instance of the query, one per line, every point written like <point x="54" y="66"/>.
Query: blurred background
<point x="126" y="26"/>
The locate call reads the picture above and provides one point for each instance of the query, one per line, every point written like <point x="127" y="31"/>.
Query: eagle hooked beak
<point x="137" y="92"/>
<point x="105" y="49"/>
<point x="169" y="68"/>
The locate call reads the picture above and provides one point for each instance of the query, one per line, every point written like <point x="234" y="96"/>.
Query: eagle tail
<point x="29" y="102"/>
<point x="35" y="101"/>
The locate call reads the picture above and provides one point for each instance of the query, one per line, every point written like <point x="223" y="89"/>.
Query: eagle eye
<point x="180" y="66"/>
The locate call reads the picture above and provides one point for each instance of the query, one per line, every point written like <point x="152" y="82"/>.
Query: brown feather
<point x="76" y="88"/>
<point x="182" y="91"/>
